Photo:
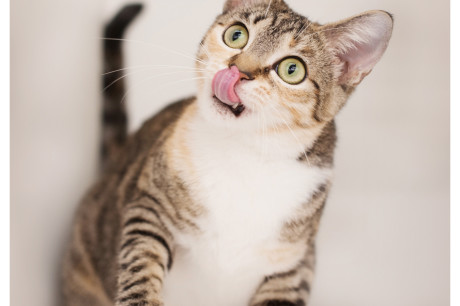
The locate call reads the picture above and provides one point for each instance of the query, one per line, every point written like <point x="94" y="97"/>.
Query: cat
<point x="216" y="200"/>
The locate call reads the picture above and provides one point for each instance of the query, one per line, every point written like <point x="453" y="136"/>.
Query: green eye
<point x="236" y="36"/>
<point x="291" y="70"/>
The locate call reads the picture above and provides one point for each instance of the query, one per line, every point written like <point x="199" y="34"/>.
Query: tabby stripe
<point x="137" y="268"/>
<point x="274" y="21"/>
<point x="150" y="209"/>
<point x="135" y="283"/>
<point x="282" y="303"/>
<point x="148" y="196"/>
<point x="281" y="275"/>
<point x="155" y="258"/>
<point x="133" y="260"/>
<point x="130" y="250"/>
<point x="177" y="213"/>
<point x="134" y="296"/>
<point x="158" y="223"/>
<point x="319" y="192"/>
<point x="288" y="30"/>
<point x="180" y="216"/>
<point x="315" y="84"/>
<point x="137" y="220"/>
<point x="156" y="237"/>
<point x="302" y="286"/>
<point x="144" y="254"/>
<point x="128" y="243"/>
<point x="259" y="18"/>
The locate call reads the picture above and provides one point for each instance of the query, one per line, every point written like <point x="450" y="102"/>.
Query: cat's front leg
<point x="145" y="255"/>
<point x="290" y="288"/>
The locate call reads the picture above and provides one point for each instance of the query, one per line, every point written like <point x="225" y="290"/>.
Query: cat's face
<point x="263" y="66"/>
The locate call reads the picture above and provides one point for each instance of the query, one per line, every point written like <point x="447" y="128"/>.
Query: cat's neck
<point x="268" y="143"/>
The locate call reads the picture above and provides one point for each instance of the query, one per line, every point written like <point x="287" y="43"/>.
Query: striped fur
<point x="202" y="207"/>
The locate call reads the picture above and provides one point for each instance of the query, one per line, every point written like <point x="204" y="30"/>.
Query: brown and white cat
<point x="216" y="200"/>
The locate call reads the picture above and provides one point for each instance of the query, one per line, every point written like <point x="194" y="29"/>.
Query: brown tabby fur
<point x="124" y="226"/>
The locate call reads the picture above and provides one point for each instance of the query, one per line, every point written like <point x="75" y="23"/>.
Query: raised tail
<point x="114" y="116"/>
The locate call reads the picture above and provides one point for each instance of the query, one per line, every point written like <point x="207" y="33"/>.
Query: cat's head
<point x="261" y="61"/>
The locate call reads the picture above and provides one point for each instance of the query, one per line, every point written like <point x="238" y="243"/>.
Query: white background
<point x="384" y="237"/>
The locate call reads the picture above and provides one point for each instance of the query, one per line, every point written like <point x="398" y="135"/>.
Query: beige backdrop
<point x="384" y="238"/>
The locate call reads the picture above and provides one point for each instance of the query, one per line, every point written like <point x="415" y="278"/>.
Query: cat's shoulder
<point x="164" y="119"/>
<point x="150" y="135"/>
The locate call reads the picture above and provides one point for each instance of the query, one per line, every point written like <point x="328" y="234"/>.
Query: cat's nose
<point x="245" y="75"/>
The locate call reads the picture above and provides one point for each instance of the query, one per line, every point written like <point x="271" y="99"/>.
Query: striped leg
<point x="291" y="288"/>
<point x="145" y="255"/>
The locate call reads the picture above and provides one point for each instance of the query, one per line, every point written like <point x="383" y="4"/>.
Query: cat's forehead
<point x="273" y="29"/>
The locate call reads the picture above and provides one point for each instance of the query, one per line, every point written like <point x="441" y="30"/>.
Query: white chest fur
<point x="248" y="193"/>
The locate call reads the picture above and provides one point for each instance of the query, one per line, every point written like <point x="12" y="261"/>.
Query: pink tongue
<point x="223" y="85"/>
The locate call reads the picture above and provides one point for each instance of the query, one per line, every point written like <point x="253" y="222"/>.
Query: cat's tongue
<point x="223" y="85"/>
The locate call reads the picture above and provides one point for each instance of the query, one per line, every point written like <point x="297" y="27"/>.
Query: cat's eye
<point x="291" y="70"/>
<point x="236" y="36"/>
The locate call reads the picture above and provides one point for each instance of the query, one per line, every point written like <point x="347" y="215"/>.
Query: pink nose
<point x="223" y="85"/>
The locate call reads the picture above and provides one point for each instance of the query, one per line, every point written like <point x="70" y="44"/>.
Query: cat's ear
<point x="233" y="4"/>
<point x="358" y="43"/>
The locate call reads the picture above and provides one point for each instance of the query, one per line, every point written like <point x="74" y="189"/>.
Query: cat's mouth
<point x="236" y="109"/>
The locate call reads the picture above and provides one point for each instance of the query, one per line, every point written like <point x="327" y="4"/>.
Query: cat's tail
<point x="114" y="116"/>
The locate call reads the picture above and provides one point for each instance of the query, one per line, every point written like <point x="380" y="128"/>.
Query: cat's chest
<point x="245" y="195"/>
<point x="247" y="198"/>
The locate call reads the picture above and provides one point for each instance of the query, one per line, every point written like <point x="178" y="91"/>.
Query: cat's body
<point x="214" y="205"/>
<point x="239" y="240"/>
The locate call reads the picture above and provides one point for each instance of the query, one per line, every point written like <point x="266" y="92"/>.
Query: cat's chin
<point x="237" y="109"/>
<point x="219" y="114"/>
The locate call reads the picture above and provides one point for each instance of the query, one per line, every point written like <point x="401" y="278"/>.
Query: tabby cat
<point x="216" y="200"/>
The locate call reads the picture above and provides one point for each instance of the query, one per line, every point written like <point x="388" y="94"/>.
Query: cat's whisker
<point x="154" y="66"/>
<point x="260" y="127"/>
<point x="292" y="133"/>
<point x="118" y="79"/>
<point x="164" y="84"/>
<point x="130" y="73"/>
<point x="156" y="46"/>
<point x="264" y="133"/>
<point x="277" y="131"/>
<point x="266" y="12"/>
<point x="205" y="49"/>
<point x="305" y="27"/>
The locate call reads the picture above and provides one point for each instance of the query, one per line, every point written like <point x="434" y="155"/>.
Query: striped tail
<point x="114" y="117"/>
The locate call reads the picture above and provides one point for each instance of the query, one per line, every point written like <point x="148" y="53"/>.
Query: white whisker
<point x="266" y="12"/>
<point x="305" y="26"/>
<point x="164" y="84"/>
<point x="205" y="49"/>
<point x="301" y="147"/>
<point x="156" y="46"/>
<point x="130" y="73"/>
<point x="154" y="66"/>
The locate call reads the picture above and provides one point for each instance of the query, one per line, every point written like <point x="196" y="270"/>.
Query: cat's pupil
<point x="292" y="68"/>
<point x="236" y="35"/>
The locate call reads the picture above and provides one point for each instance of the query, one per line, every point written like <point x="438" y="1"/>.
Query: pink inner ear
<point x="361" y="45"/>
<point x="360" y="61"/>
